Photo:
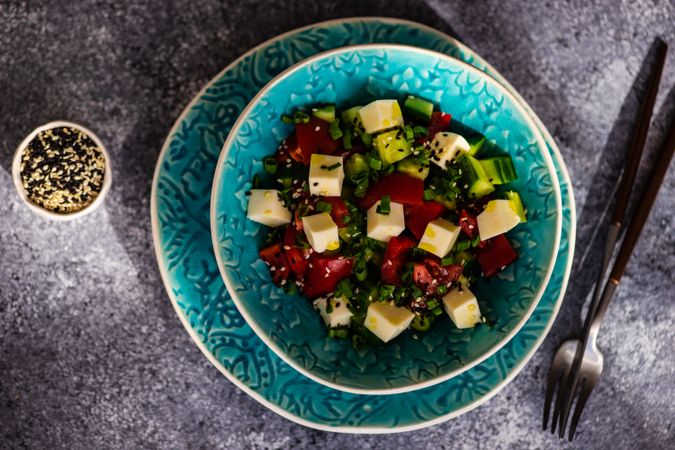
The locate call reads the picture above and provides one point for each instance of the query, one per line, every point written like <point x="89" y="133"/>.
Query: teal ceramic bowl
<point x="288" y="324"/>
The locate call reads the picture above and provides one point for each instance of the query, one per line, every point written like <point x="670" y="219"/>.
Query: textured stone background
<point x="91" y="352"/>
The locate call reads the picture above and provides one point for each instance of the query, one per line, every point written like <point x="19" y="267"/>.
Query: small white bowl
<point x="39" y="210"/>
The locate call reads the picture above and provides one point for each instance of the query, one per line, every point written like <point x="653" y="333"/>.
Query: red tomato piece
<point x="276" y="260"/>
<point x="295" y="256"/>
<point x="338" y="210"/>
<point x="439" y="122"/>
<point x="494" y="254"/>
<point x="324" y="273"/>
<point x="418" y="216"/>
<point x="296" y="260"/>
<point x="468" y="223"/>
<point x="430" y="274"/>
<point x="289" y="149"/>
<point x="401" y="188"/>
<point x="394" y="258"/>
<point x="421" y="277"/>
<point x="313" y="137"/>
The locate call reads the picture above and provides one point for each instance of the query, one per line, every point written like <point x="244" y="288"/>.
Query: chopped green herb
<point x="270" y="165"/>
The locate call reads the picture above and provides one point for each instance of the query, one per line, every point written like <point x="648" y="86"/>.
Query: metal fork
<point x="577" y="364"/>
<point x="590" y="366"/>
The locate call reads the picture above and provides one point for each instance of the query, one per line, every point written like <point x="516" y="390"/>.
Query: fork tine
<point x="586" y="389"/>
<point x="560" y="396"/>
<point x="566" y="404"/>
<point x="551" y="385"/>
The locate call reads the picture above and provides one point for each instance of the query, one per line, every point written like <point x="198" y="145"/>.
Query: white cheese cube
<point x="462" y="307"/>
<point x="380" y="115"/>
<point x="383" y="227"/>
<point x="387" y="321"/>
<point x="339" y="315"/>
<point x="439" y="237"/>
<point x="446" y="147"/>
<point x="265" y="207"/>
<point x="498" y="217"/>
<point x="321" y="232"/>
<point x="326" y="174"/>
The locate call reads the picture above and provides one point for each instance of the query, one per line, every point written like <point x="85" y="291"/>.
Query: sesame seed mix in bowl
<point x="62" y="169"/>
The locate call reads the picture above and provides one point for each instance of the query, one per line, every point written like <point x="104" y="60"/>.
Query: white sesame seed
<point x="317" y="128"/>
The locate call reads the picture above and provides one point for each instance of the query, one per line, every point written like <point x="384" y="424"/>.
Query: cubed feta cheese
<point x="446" y="147"/>
<point x="325" y="175"/>
<point x="339" y="315"/>
<point x="380" y="115"/>
<point x="387" y="321"/>
<point x="439" y="237"/>
<point x="383" y="227"/>
<point x="265" y="207"/>
<point x="498" y="217"/>
<point x="462" y="307"/>
<point x="321" y="232"/>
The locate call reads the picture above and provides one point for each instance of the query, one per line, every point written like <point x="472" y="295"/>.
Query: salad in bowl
<point x="384" y="217"/>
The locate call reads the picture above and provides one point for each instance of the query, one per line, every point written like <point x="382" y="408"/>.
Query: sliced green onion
<point x="361" y="269"/>
<point x="437" y="311"/>
<point x="429" y="194"/>
<point x="334" y="129"/>
<point x="432" y="303"/>
<point x="285" y="118"/>
<point x="255" y="183"/>
<point x="384" y="207"/>
<point x="386" y="291"/>
<point x="331" y="167"/>
<point x="344" y="289"/>
<point x="419" y="130"/>
<point x="417" y="253"/>
<point x="338" y="333"/>
<point x="374" y="163"/>
<point x="367" y="139"/>
<point x="416" y="292"/>
<point x="347" y="139"/>
<point x="442" y="289"/>
<point x="300" y="117"/>
<point x="322" y="206"/>
<point x="270" y="164"/>
<point x="409" y="134"/>
<point x="447" y="261"/>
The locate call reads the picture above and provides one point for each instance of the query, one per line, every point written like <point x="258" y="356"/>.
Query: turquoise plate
<point x="287" y="323"/>
<point x="180" y="220"/>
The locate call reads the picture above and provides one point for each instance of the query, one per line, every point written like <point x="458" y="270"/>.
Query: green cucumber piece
<point x="350" y="117"/>
<point x="474" y="177"/>
<point x="476" y="141"/>
<point x="410" y="167"/>
<point x="356" y="165"/>
<point x="499" y="169"/>
<point x="422" y="322"/>
<point x="325" y="112"/>
<point x="392" y="146"/>
<point x="517" y="205"/>
<point x="418" y="107"/>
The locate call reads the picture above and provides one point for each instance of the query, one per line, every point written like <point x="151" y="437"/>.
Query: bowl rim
<point x="41" y="211"/>
<point x="214" y="225"/>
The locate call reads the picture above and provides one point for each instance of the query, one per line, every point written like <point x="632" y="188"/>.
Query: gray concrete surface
<point x="91" y="352"/>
